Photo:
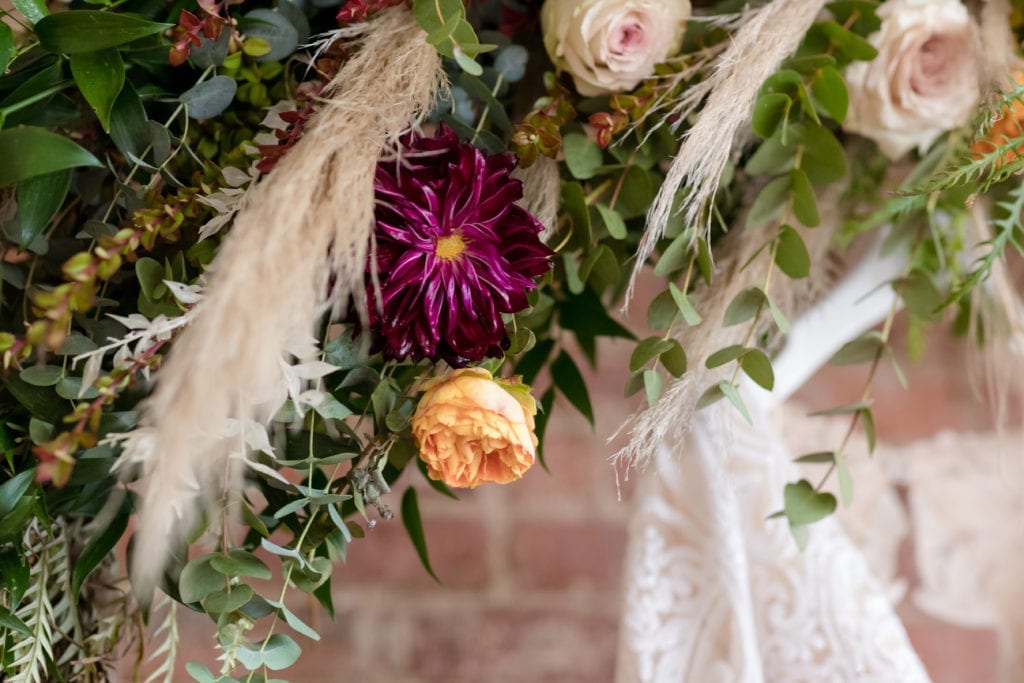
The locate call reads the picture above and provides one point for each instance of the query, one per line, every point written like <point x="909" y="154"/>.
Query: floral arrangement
<point x="262" y="263"/>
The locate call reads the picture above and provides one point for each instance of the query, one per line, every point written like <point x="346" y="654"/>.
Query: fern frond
<point x="32" y="657"/>
<point x="1006" y="232"/>
<point x="990" y="157"/>
<point x="167" y="652"/>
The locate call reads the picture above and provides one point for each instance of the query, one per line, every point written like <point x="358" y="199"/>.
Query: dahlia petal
<point x="450" y="306"/>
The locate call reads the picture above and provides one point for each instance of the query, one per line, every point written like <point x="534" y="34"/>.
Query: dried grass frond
<point x="998" y="48"/>
<point x="768" y="35"/>
<point x="297" y="249"/>
<point x="542" y="192"/>
<point x="996" y="365"/>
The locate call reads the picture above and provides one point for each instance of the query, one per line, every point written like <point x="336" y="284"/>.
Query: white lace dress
<point x="715" y="592"/>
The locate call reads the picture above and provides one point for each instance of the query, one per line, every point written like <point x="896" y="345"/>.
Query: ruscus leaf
<point x="29" y="151"/>
<point x="414" y="526"/>
<point x="78" y="31"/>
<point x="39" y="198"/>
<point x="99" y="75"/>
<point x="569" y="381"/>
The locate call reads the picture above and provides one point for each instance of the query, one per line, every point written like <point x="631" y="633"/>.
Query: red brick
<point x="950" y="653"/>
<point x="505" y="646"/>
<point x="386" y="557"/>
<point x="556" y="554"/>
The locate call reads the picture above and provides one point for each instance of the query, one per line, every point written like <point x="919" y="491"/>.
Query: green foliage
<point x="99" y="75"/>
<point x="449" y="31"/>
<point x="81" y="31"/>
<point x="29" y="152"/>
<point x="414" y="526"/>
<point x="116" y="161"/>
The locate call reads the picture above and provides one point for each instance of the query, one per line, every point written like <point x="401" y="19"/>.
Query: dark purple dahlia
<point x="454" y="251"/>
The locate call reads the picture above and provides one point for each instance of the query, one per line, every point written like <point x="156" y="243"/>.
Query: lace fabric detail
<point x="715" y="592"/>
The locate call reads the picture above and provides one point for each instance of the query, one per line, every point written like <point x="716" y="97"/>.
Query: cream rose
<point x="924" y="80"/>
<point x="472" y="429"/>
<point x="611" y="45"/>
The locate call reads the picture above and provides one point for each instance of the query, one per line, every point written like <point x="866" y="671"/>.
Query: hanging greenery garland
<point x="261" y="262"/>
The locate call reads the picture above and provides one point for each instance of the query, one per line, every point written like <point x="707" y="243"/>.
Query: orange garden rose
<point x="1007" y="128"/>
<point x="472" y="428"/>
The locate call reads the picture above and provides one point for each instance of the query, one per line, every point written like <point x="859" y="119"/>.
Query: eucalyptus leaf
<point x="200" y="673"/>
<point x="210" y="51"/>
<point x="279" y="651"/>
<point x="223" y="601"/>
<point x="239" y="562"/>
<point x="78" y="31"/>
<point x="725" y="355"/>
<point x="71" y="389"/>
<point x="824" y="158"/>
<point x="805" y="206"/>
<point x="744" y="306"/>
<point x="730" y="392"/>
<point x="685" y="305"/>
<point x="582" y="155"/>
<point x="756" y="365"/>
<point x="818" y="457"/>
<point x="646" y="351"/>
<point x="845" y="481"/>
<point x="209" y="98"/>
<point x="868" y="421"/>
<point x="653" y="382"/>
<point x="676" y="256"/>
<point x="613" y="222"/>
<point x="770" y="202"/>
<point x="510" y="62"/>
<point x="861" y="350"/>
<point x="778" y="316"/>
<point x="804" y="505"/>
<point x="920" y="294"/>
<point x="769" y="111"/>
<point x="829" y="90"/>
<point x="298" y="625"/>
<point x="42" y="375"/>
<point x="574" y="203"/>
<point x="274" y="28"/>
<point x="28" y="152"/>
<point x="198" y="579"/>
<point x="791" y="254"/>
<point x="662" y="311"/>
<point x="674" y="359"/>
<point x="293" y="12"/>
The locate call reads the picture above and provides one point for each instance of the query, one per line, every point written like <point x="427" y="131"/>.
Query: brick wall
<point x="531" y="571"/>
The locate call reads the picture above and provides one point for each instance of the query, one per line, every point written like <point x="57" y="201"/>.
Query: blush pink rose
<point x="924" y="81"/>
<point x="611" y="45"/>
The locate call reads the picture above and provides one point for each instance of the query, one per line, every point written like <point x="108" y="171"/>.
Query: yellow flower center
<point x="450" y="248"/>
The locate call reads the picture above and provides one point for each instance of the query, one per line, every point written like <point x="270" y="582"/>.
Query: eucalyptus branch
<point x="865" y="397"/>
